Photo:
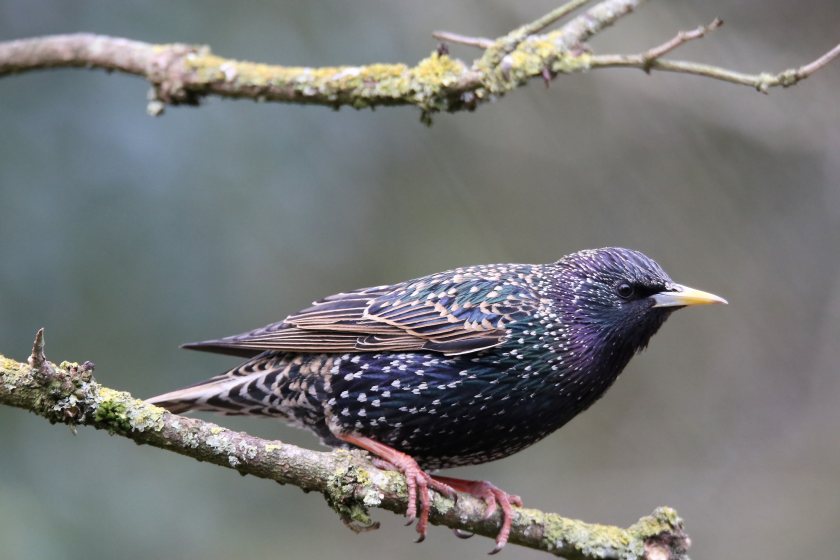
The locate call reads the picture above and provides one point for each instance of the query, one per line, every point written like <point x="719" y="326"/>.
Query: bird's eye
<point x="625" y="290"/>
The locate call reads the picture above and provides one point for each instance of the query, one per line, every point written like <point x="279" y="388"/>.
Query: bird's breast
<point x="459" y="409"/>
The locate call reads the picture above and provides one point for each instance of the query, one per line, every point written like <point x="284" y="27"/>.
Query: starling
<point x="455" y="368"/>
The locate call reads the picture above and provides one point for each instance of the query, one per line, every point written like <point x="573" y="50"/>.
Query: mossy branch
<point x="184" y="74"/>
<point x="67" y="393"/>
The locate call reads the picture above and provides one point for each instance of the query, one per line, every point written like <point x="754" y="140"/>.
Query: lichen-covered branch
<point x="67" y="393"/>
<point x="183" y="74"/>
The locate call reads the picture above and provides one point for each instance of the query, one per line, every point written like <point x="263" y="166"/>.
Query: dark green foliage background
<point x="125" y="235"/>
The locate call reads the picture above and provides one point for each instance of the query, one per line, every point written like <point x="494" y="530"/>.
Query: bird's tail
<point x="195" y="397"/>
<point x="220" y="393"/>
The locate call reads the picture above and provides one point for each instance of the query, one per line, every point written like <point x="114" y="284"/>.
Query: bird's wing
<point x="452" y="313"/>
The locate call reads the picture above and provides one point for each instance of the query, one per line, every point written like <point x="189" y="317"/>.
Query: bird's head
<point x="614" y="300"/>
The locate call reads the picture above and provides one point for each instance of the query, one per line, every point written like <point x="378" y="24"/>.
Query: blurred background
<point x="126" y="235"/>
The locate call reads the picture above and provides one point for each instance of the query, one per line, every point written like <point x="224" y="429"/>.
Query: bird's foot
<point x="418" y="481"/>
<point x="493" y="497"/>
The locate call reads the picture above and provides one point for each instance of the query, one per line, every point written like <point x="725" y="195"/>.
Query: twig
<point x="517" y="35"/>
<point x="597" y="18"/>
<point x="37" y="358"/>
<point x="547" y="20"/>
<point x="804" y="71"/>
<point x="68" y="394"/>
<point x="679" y="39"/>
<point x="480" y="42"/>
<point x="761" y="82"/>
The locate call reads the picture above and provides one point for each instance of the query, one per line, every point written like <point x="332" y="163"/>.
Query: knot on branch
<point x="790" y="77"/>
<point x="64" y="391"/>
<point x="435" y="81"/>
<point x="68" y="395"/>
<point x="169" y="76"/>
<point x="351" y="492"/>
<point x="664" y="535"/>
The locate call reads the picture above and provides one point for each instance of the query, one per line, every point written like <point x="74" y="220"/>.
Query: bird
<point x="455" y="368"/>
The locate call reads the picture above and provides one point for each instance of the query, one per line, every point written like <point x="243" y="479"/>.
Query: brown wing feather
<point x="418" y="315"/>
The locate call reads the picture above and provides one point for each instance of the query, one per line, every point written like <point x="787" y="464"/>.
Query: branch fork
<point x="680" y="39"/>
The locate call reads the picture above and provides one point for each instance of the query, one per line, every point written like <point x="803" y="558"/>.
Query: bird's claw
<point x="462" y="534"/>
<point x="493" y="498"/>
<point x="419" y="483"/>
<point x="425" y="482"/>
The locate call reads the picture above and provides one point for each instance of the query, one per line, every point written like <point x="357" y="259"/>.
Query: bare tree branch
<point x="652" y="60"/>
<point x="184" y="74"/>
<point x="549" y="19"/>
<point x="449" y="37"/>
<point x="68" y="394"/>
<point x="654" y="54"/>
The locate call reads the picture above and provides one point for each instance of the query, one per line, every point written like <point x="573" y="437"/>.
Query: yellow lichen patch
<point x="542" y="47"/>
<point x="8" y="364"/>
<point x="589" y="539"/>
<point x="207" y="67"/>
<point x="441" y="504"/>
<point x="438" y="70"/>
<point x="120" y="411"/>
<point x="529" y="59"/>
<point x="592" y="540"/>
<point x="358" y="75"/>
<point x="357" y="85"/>
<point x="340" y="495"/>
<point x="10" y="373"/>
<point x="569" y="63"/>
<point x="250" y="73"/>
<point x="664" y="519"/>
<point x="307" y="81"/>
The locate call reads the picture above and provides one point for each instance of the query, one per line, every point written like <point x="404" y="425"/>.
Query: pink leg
<point x="491" y="496"/>
<point x="418" y="481"/>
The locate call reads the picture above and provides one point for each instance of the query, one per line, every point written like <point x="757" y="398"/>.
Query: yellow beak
<point x="680" y="296"/>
